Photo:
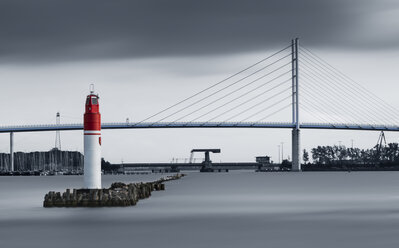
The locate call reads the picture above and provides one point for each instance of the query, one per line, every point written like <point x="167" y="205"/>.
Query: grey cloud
<point x="73" y="30"/>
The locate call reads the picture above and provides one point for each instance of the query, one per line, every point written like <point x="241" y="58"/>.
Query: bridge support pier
<point x="11" y="151"/>
<point x="296" y="160"/>
<point x="296" y="151"/>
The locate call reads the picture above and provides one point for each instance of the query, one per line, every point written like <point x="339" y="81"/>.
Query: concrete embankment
<point x="118" y="195"/>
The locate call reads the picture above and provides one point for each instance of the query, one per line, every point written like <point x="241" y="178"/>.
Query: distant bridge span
<point x="147" y="125"/>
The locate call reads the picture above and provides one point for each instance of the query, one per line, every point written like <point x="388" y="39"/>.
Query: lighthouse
<point x="92" y="142"/>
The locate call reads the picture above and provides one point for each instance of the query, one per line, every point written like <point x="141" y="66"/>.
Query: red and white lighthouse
<point x="92" y="142"/>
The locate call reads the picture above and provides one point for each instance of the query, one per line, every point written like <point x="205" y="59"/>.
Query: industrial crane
<point x="207" y="163"/>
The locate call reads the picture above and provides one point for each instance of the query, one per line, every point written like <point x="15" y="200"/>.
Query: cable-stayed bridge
<point x="292" y="88"/>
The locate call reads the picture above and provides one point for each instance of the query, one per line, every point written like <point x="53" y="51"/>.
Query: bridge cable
<point x="344" y="100"/>
<point x="275" y="112"/>
<point x="225" y="87"/>
<point x="311" y="112"/>
<point x="241" y="104"/>
<point x="249" y="100"/>
<point x="348" y="79"/>
<point x="253" y="106"/>
<point x="236" y="90"/>
<point x="355" y="95"/>
<point x="264" y="109"/>
<point x="327" y="95"/>
<point x="350" y="85"/>
<point x="322" y="109"/>
<point x="316" y="97"/>
<point x="214" y="85"/>
<point x="348" y="100"/>
<point x="349" y="97"/>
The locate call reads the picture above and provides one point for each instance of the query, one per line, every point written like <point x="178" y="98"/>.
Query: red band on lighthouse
<point x="92" y="116"/>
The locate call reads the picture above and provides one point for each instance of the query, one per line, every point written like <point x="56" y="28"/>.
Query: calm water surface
<point x="235" y="209"/>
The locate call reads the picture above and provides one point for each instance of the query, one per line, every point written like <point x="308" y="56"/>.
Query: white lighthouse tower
<point x="92" y="142"/>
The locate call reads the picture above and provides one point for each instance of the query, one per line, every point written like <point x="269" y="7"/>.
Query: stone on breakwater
<point x="118" y="195"/>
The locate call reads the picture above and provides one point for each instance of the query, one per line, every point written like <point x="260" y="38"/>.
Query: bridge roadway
<point x="146" y="125"/>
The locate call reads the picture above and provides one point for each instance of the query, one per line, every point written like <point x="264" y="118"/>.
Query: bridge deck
<point x="146" y="125"/>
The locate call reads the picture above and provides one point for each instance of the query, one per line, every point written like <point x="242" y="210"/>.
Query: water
<point x="235" y="209"/>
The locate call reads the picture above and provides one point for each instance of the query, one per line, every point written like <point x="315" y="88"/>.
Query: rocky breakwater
<point x="118" y="195"/>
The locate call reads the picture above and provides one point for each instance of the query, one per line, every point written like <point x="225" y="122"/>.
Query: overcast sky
<point x="146" y="55"/>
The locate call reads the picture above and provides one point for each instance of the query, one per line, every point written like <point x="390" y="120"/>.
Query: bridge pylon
<point x="296" y="158"/>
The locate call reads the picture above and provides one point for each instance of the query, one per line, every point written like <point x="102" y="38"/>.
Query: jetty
<point x="118" y="195"/>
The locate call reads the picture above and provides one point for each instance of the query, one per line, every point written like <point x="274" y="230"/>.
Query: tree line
<point x="340" y="155"/>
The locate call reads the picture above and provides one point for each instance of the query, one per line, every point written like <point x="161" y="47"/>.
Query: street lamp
<point x="279" y="154"/>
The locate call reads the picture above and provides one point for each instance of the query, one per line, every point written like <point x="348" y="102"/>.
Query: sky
<point x="144" y="56"/>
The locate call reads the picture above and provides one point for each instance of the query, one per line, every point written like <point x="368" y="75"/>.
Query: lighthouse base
<point x="92" y="161"/>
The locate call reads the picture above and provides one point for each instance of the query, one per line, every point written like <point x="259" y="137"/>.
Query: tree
<point x="342" y="152"/>
<point x="305" y="156"/>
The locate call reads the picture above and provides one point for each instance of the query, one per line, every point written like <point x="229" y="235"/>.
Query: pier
<point x="118" y="195"/>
